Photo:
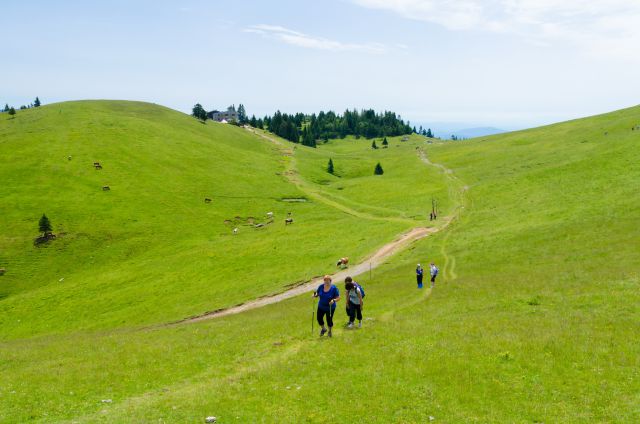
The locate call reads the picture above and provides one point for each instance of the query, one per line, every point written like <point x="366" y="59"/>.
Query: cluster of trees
<point x="12" y="110"/>
<point x="308" y="129"/>
<point x="385" y="143"/>
<point x="422" y="131"/>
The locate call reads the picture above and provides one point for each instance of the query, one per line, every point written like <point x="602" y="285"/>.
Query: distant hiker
<point x="434" y="273"/>
<point x="328" y="295"/>
<point x="419" y="275"/>
<point x="354" y="300"/>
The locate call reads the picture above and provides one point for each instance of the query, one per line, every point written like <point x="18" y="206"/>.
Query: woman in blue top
<point x="327" y="294"/>
<point x="419" y="274"/>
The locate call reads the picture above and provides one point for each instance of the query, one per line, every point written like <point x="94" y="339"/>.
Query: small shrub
<point x="534" y="301"/>
<point x="505" y="356"/>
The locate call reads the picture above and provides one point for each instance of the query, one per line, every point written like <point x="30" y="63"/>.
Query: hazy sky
<point x="506" y="63"/>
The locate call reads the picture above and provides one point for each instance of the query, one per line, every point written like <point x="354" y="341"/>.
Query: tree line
<point x="12" y="110"/>
<point x="308" y="129"/>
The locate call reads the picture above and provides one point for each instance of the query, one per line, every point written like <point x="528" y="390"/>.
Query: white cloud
<point x="300" y="39"/>
<point x="598" y="27"/>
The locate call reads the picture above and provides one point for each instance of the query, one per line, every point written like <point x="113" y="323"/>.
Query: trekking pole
<point x="313" y="313"/>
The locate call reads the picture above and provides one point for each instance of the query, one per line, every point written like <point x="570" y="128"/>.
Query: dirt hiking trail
<point x="371" y="262"/>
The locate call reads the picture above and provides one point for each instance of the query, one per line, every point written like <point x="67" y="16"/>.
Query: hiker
<point x="354" y="300"/>
<point x="434" y="273"/>
<point x="328" y="295"/>
<point x="419" y="275"/>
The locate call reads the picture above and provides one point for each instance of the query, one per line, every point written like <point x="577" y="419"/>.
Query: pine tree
<point x="45" y="225"/>
<point x="378" y="170"/>
<point x="12" y="111"/>
<point x="330" y="166"/>
<point x="6" y="108"/>
<point x="385" y="142"/>
<point x="36" y="103"/>
<point x="374" y="145"/>
<point x="429" y="133"/>
<point x="242" y="114"/>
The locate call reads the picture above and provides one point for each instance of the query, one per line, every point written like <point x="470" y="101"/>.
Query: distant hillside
<point x="476" y="132"/>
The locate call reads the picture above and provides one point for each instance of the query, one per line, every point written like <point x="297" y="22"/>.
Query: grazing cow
<point x="106" y="188"/>
<point x="98" y="166"/>
<point x="343" y="262"/>
<point x="259" y="225"/>
<point x="96" y="163"/>
<point x="235" y="231"/>
<point x="288" y="221"/>
<point x="207" y="200"/>
<point x="269" y="214"/>
<point x="69" y="157"/>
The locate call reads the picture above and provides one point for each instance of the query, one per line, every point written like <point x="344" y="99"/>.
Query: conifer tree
<point x="330" y="166"/>
<point x="12" y="111"/>
<point x="45" y="225"/>
<point x="385" y="142"/>
<point x="374" y="145"/>
<point x="242" y="114"/>
<point x="36" y="103"/>
<point x="6" y="107"/>
<point x="429" y="133"/>
<point x="378" y="170"/>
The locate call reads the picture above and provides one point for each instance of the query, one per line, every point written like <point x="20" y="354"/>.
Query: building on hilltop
<point x="231" y="115"/>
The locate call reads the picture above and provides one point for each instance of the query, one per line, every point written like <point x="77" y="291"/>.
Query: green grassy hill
<point x="534" y="318"/>
<point x="151" y="249"/>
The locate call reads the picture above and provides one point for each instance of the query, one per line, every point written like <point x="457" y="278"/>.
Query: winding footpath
<point x="370" y="263"/>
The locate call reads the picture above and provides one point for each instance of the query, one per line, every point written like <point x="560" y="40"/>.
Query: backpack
<point x="358" y="286"/>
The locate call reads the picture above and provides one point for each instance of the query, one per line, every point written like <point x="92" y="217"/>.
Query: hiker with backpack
<point x="419" y="275"/>
<point x="327" y="294"/>
<point x="434" y="273"/>
<point x="355" y="293"/>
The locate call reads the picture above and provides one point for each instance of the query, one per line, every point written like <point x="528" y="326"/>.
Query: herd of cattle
<point x="288" y="220"/>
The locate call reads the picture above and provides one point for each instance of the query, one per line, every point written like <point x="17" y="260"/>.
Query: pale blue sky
<point x="505" y="63"/>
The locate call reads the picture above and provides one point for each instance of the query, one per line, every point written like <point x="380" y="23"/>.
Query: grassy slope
<point x="354" y="162"/>
<point x="150" y="249"/>
<point x="534" y="319"/>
